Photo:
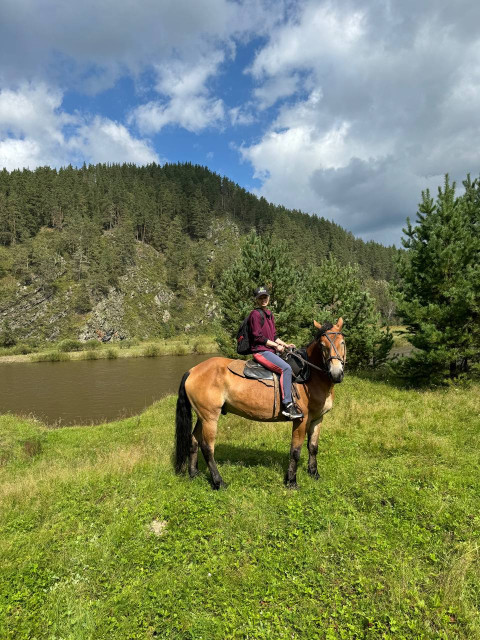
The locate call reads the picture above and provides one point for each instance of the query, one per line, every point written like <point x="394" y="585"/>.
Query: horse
<point x="210" y="388"/>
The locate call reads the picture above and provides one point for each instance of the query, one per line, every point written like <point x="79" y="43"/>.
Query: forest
<point x="140" y="251"/>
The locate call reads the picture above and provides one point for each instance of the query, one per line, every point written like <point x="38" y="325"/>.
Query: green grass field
<point x="99" y="539"/>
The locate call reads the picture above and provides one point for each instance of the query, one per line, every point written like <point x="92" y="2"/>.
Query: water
<point x="89" y="391"/>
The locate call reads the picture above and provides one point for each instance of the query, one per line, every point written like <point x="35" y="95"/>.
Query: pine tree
<point x="263" y="262"/>
<point x="338" y="290"/>
<point x="439" y="290"/>
<point x="299" y="296"/>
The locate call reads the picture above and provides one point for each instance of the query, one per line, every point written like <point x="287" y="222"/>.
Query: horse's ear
<point x="317" y="325"/>
<point x="340" y="323"/>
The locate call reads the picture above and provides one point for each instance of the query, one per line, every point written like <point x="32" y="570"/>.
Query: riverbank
<point x="179" y="345"/>
<point x="94" y="350"/>
<point x="100" y="539"/>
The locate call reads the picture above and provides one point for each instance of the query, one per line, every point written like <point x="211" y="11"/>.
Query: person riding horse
<point x="265" y="345"/>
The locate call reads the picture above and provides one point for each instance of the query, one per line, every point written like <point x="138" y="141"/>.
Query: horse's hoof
<point x="291" y="485"/>
<point x="193" y="474"/>
<point x="314" y="475"/>
<point x="220" y="486"/>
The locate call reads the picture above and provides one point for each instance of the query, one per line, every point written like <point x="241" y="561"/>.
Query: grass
<point x="95" y="350"/>
<point x="50" y="356"/>
<point x="99" y="539"/>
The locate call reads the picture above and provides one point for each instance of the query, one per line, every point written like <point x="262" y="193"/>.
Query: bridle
<point x="337" y="356"/>
<point x="332" y="344"/>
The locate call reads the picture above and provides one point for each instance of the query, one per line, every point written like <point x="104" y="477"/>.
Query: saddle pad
<point x="238" y="366"/>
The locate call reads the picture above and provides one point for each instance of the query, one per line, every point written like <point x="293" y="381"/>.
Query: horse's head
<point x="332" y="343"/>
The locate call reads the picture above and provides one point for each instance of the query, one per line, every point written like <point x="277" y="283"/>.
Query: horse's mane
<point x="320" y="332"/>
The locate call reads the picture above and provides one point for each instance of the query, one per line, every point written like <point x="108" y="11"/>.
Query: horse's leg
<point x="193" y="458"/>
<point x="298" y="436"/>
<point x="313" y="432"/>
<point x="207" y="445"/>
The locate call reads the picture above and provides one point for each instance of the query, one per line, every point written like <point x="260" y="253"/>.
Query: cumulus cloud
<point x="185" y="100"/>
<point x="109" y="37"/>
<point x="355" y="105"/>
<point x="34" y="130"/>
<point x="386" y="99"/>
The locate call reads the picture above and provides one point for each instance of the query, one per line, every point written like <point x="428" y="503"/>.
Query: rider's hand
<point x="291" y="346"/>
<point x="280" y="348"/>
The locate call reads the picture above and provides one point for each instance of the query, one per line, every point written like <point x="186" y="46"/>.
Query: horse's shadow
<point x="250" y="457"/>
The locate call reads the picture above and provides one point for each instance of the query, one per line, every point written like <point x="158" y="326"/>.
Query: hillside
<point x="100" y="539"/>
<point x="138" y="251"/>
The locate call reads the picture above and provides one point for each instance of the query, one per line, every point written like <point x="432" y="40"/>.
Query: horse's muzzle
<point x="336" y="374"/>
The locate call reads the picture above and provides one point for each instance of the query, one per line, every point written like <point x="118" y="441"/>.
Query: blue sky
<point x="345" y="109"/>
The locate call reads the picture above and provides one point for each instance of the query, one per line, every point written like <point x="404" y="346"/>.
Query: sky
<point x="345" y="109"/>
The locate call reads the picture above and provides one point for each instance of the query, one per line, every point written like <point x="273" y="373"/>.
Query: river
<point x="89" y="391"/>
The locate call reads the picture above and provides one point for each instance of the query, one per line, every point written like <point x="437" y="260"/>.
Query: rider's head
<point x="262" y="296"/>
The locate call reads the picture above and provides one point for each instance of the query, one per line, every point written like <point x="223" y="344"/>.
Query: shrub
<point x="7" y="337"/>
<point x="151" y="351"/>
<point x="92" y="344"/>
<point x="91" y="355"/>
<point x="112" y="354"/>
<point x="22" y="349"/>
<point x="182" y="350"/>
<point x="70" y="345"/>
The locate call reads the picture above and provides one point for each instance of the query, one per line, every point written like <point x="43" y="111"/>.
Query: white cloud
<point x="382" y="101"/>
<point x="368" y="101"/>
<point x="103" y="140"/>
<point x="102" y="40"/>
<point x="241" y="116"/>
<point x="276" y="88"/>
<point x="186" y="101"/>
<point x="35" y="131"/>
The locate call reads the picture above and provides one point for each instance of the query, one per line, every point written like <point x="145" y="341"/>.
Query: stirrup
<point x="291" y="411"/>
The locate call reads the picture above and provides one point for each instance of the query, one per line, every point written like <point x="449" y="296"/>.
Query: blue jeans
<point x="273" y="362"/>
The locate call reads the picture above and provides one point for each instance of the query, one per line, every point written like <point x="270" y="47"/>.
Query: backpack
<point x="243" y="335"/>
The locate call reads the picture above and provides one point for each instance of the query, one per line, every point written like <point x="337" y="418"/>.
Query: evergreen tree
<point x="263" y="262"/>
<point x="338" y="290"/>
<point x="299" y="296"/>
<point x="439" y="289"/>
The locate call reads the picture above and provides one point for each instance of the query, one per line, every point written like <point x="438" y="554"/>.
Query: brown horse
<point x="210" y="388"/>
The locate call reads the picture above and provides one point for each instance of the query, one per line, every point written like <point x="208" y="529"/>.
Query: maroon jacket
<point x="260" y="335"/>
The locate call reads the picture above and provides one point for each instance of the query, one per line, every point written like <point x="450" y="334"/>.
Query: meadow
<point x="99" y="538"/>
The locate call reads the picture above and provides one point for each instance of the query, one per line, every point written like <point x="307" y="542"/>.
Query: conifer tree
<point x="263" y="262"/>
<point x="439" y="289"/>
<point x="299" y="296"/>
<point x="338" y="290"/>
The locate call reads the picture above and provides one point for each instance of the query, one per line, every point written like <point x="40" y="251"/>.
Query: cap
<point x="261" y="291"/>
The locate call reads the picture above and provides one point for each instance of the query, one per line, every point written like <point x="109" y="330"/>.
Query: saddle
<point x="253" y="370"/>
<point x="296" y="358"/>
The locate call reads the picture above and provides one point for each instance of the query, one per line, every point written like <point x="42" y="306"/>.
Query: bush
<point x="112" y="354"/>
<point x="91" y="355"/>
<point x="81" y="302"/>
<point x="92" y="344"/>
<point x="22" y="349"/>
<point x="151" y="351"/>
<point x="70" y="345"/>
<point x="205" y="346"/>
<point x="7" y="337"/>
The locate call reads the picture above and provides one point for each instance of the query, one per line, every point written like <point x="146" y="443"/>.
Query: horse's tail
<point x="183" y="427"/>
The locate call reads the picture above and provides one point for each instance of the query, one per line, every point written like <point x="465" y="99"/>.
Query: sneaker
<point x="291" y="411"/>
